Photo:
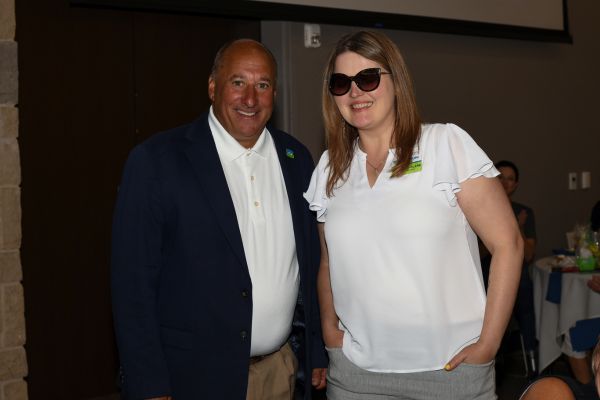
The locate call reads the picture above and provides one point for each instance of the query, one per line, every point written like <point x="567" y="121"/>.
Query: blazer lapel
<point x="286" y="161"/>
<point x="202" y="153"/>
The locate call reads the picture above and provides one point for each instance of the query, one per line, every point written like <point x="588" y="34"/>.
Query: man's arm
<point x="316" y="347"/>
<point x="313" y="340"/>
<point x="135" y="267"/>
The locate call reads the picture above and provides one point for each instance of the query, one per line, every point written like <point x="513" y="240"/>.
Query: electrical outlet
<point x="586" y="179"/>
<point x="572" y="180"/>
<point x="312" y="35"/>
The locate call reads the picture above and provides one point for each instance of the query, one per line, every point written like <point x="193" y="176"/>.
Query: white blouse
<point x="404" y="263"/>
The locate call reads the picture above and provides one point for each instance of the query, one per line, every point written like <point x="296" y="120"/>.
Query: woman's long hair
<point x="341" y="136"/>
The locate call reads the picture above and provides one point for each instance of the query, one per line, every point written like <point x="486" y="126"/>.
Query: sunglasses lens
<point x="367" y="80"/>
<point x="339" y="84"/>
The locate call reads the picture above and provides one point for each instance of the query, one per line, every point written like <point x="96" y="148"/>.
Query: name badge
<point x="416" y="165"/>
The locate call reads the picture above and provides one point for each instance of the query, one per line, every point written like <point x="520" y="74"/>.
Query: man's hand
<point x="319" y="378"/>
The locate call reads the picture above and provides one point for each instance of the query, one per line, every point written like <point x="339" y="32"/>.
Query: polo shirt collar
<point x="229" y="148"/>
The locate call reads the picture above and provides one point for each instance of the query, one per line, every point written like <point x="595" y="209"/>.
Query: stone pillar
<point x="13" y="363"/>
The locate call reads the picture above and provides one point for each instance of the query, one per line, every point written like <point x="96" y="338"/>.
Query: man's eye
<point x="263" y="85"/>
<point x="238" y="83"/>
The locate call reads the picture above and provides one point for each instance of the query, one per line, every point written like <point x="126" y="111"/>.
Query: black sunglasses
<point x="367" y="80"/>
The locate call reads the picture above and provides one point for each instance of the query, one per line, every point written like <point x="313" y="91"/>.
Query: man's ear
<point x="211" y="89"/>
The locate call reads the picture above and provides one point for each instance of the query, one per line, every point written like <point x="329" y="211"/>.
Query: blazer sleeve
<point x="135" y="267"/>
<point x="315" y="344"/>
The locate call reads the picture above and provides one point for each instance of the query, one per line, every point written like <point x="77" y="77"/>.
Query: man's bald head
<point x="237" y="43"/>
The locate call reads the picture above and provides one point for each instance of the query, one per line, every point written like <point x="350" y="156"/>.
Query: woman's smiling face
<point x="366" y="111"/>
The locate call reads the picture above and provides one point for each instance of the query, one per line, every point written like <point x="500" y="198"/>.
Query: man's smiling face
<point x="243" y="91"/>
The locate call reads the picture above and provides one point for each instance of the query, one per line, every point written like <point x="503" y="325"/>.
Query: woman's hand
<point x="476" y="353"/>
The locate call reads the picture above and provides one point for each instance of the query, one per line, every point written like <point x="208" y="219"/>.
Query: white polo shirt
<point x="262" y="208"/>
<point x="403" y="260"/>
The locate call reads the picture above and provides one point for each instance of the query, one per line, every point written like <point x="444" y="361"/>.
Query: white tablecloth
<point x="552" y="320"/>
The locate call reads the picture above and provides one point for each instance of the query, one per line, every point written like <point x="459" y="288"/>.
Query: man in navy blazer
<point x="215" y="253"/>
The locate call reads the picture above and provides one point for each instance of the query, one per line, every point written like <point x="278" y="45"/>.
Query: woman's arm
<point x="332" y="335"/>
<point x="489" y="213"/>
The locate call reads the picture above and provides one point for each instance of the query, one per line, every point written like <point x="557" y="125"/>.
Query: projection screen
<point x="543" y="20"/>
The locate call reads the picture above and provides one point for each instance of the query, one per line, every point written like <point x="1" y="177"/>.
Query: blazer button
<point x="243" y="335"/>
<point x="244" y="293"/>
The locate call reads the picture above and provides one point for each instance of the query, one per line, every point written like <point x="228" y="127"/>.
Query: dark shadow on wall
<point x="93" y="83"/>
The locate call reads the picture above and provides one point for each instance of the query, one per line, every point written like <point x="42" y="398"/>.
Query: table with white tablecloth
<point x="577" y="302"/>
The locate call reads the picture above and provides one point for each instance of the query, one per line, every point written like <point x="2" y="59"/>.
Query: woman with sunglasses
<point x="403" y="305"/>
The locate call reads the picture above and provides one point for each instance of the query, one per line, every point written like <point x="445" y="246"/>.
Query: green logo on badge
<point x="415" y="166"/>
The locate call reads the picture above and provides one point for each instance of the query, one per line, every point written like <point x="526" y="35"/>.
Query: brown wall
<point x="93" y="83"/>
<point x="530" y="102"/>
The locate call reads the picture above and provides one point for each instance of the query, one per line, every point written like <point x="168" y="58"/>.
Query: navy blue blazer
<point x="181" y="290"/>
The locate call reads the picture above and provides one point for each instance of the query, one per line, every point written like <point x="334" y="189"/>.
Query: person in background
<point x="214" y="251"/>
<point x="595" y="217"/>
<point x="594" y="283"/>
<point x="564" y="387"/>
<point x="567" y="388"/>
<point x="403" y="306"/>
<point x="579" y="361"/>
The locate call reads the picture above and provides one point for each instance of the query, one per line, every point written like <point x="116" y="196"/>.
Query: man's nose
<point x="249" y="98"/>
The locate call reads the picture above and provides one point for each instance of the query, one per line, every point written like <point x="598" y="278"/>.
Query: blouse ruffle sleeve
<point x="316" y="192"/>
<point x="458" y="158"/>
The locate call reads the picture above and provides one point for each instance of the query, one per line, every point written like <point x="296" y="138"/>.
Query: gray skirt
<point x="346" y="381"/>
